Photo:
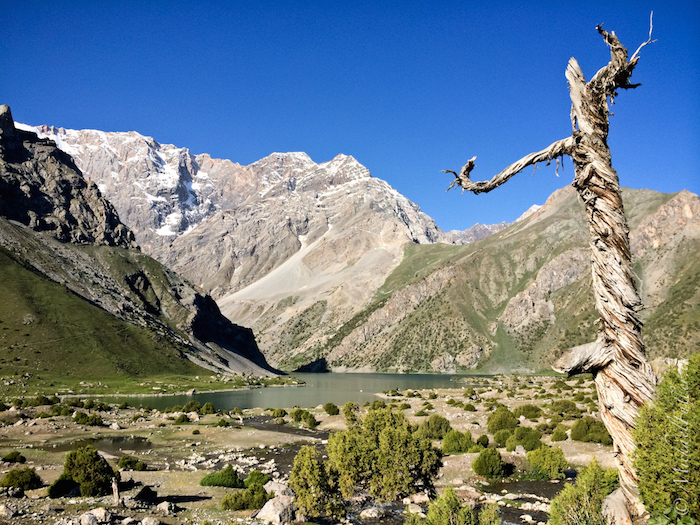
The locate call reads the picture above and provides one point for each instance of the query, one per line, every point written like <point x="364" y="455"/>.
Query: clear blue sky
<point x="408" y="88"/>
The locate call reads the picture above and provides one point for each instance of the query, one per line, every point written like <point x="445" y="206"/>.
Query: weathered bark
<point x="624" y="379"/>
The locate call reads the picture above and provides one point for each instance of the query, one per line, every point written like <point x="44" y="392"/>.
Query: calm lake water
<point x="319" y="389"/>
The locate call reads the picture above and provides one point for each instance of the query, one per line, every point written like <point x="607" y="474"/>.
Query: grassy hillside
<point x="49" y="336"/>
<point x="522" y="297"/>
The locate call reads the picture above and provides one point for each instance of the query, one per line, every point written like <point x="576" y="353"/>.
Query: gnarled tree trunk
<point x="624" y="379"/>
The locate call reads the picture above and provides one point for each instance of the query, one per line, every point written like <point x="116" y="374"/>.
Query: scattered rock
<point x="167" y="508"/>
<point x="150" y="521"/>
<point x="101" y="514"/>
<point x="88" y="519"/>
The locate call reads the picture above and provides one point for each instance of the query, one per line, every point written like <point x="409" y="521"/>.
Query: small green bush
<point x="93" y="420"/>
<point x="500" y="419"/>
<point x="256" y="477"/>
<point x="404" y="406"/>
<point x="565" y="408"/>
<point x="457" y="443"/>
<point x="592" y="430"/>
<point x="63" y="486"/>
<point x="279" y="412"/>
<point x="14" y="457"/>
<point x="436" y="427"/>
<point x="549" y="462"/>
<point x="253" y="497"/>
<point x="208" y="408"/>
<point x="559" y="435"/>
<point x="483" y="440"/>
<point x="582" y="501"/>
<point x="489" y="464"/>
<point x="226" y="477"/>
<point x="192" y="406"/>
<point x="24" y="478"/>
<point x="529" y="411"/>
<point x="377" y="404"/>
<point x="331" y="409"/>
<point x="182" y="419"/>
<point x="131" y="463"/>
<point x="86" y="467"/>
<point x="469" y="407"/>
<point x="501" y="436"/>
<point x="350" y="411"/>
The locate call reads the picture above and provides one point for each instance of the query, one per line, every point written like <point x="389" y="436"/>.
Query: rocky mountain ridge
<point x="331" y="267"/>
<point x="56" y="224"/>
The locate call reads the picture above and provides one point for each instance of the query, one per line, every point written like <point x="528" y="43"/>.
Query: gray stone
<point x="150" y="521"/>
<point x="278" y="489"/>
<point x="7" y="511"/>
<point x="88" y="519"/>
<point x="372" y="513"/>
<point x="279" y="510"/>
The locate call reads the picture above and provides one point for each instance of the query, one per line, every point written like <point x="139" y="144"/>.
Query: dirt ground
<point x="178" y="456"/>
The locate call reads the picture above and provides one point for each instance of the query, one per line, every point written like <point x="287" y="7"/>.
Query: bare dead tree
<point x="623" y="377"/>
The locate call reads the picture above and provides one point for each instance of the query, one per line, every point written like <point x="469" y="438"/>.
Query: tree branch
<point x="555" y="150"/>
<point x="582" y="359"/>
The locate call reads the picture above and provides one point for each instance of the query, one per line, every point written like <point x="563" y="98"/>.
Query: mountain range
<point x="333" y="269"/>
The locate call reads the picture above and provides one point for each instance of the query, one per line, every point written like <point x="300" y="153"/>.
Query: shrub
<point x="559" y="435"/>
<point x="24" y="478"/>
<point x="449" y="509"/>
<point x="488" y="515"/>
<point x="131" y="463"/>
<point x="489" y="464"/>
<point x="667" y="458"/>
<point x="457" y="443"/>
<point x="315" y="495"/>
<point x="350" y="411"/>
<point x="377" y="404"/>
<point x="435" y="427"/>
<point x="469" y="407"/>
<point x="226" y="477"/>
<point x="565" y="408"/>
<point x="308" y="419"/>
<point x="548" y="461"/>
<point x="501" y="436"/>
<point x="63" y="486"/>
<point x="86" y="467"/>
<point x="529" y="411"/>
<point x="253" y="497"/>
<point x="402" y="461"/>
<point x="331" y="409"/>
<point x="589" y="429"/>
<point x="501" y="419"/>
<point x="421" y="413"/>
<point x="279" y="412"/>
<point x="14" y="457"/>
<point x="255" y="477"/>
<point x="582" y="501"/>
<point x="483" y="440"/>
<point x="404" y="406"/>
<point x="94" y="420"/>
<point x="195" y="432"/>
<point x="192" y="406"/>
<point x="208" y="408"/>
<point x="182" y="419"/>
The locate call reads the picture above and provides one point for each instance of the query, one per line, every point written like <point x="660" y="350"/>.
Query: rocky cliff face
<point x="93" y="255"/>
<point x="512" y="301"/>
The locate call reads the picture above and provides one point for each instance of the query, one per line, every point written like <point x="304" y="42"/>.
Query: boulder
<point x="372" y="513"/>
<point x="101" y="514"/>
<point x="7" y="511"/>
<point x="413" y="508"/>
<point x="150" y="521"/>
<point x="278" y="489"/>
<point x="88" y="519"/>
<point x="279" y="510"/>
